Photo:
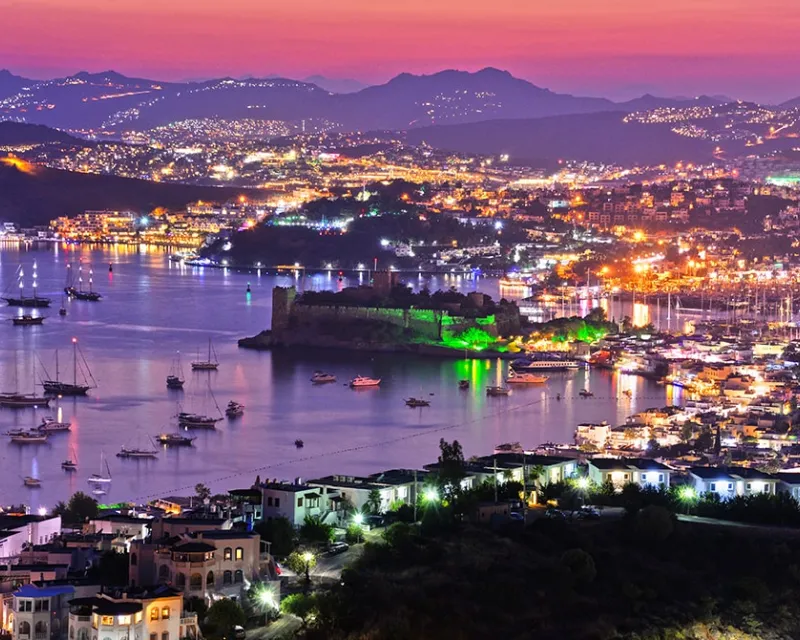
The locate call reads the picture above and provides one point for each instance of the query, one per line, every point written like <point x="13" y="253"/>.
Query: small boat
<point x="99" y="478"/>
<point x="174" y="440"/>
<point x="196" y="421"/>
<point x="125" y="452"/>
<point x="31" y="482"/>
<point x="51" y="425"/>
<point x="362" y="381"/>
<point x="627" y="393"/>
<point x="58" y="387"/>
<point x="62" y="311"/>
<point x="525" y="378"/>
<point x="299" y="444"/>
<point x="583" y="393"/>
<point x="27" y="320"/>
<point x="320" y="377"/>
<point x="22" y="401"/>
<point x="175" y="377"/>
<point x="69" y="464"/>
<point x="497" y="391"/>
<point x="234" y="409"/>
<point x="33" y="301"/>
<point x="463" y="384"/>
<point x="509" y="447"/>
<point x="77" y="293"/>
<point x="416" y="402"/>
<point x="97" y="491"/>
<point x="29" y="437"/>
<point x="209" y="364"/>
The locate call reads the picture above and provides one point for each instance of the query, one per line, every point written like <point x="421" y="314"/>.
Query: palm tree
<point x="374" y="501"/>
<point x="536" y="473"/>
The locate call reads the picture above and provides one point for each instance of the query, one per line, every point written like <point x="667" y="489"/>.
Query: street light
<point x="582" y="482"/>
<point x="358" y="518"/>
<point x="308" y="558"/>
<point x="431" y="495"/>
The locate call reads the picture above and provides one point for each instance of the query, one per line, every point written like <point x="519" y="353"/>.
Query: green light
<point x="582" y="482"/>
<point x="358" y="518"/>
<point x="687" y="494"/>
<point x="431" y="495"/>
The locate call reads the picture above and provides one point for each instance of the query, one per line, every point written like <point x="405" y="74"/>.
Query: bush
<point x="654" y="523"/>
<point x="280" y="533"/>
<point x="580" y="565"/>
<point x="354" y="533"/>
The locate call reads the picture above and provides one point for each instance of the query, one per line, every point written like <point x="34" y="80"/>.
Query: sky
<point x="616" y="48"/>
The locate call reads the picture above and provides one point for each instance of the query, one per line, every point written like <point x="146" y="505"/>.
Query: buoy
<point x="248" y="287"/>
<point x="110" y="268"/>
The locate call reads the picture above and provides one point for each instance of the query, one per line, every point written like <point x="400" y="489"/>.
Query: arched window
<point x="41" y="628"/>
<point x="227" y="554"/>
<point x="24" y="628"/>
<point x="133" y="559"/>
<point x="72" y="633"/>
<point x="163" y="573"/>
<point x="238" y="576"/>
<point x="83" y="634"/>
<point x="210" y="580"/>
<point x="165" y="613"/>
<point x="196" y="582"/>
<point x="239" y="553"/>
<point x="227" y="577"/>
<point x="180" y="580"/>
<point x="153" y="613"/>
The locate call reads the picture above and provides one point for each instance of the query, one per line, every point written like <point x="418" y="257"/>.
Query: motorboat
<point x="69" y="465"/>
<point x="463" y="384"/>
<point x="525" y="378"/>
<point x="320" y="377"/>
<point x="30" y="481"/>
<point x="299" y="444"/>
<point x="51" y="425"/>
<point x="174" y="382"/>
<point x="234" y="409"/>
<point x="29" y="437"/>
<point x="209" y="364"/>
<point x="497" y="391"/>
<point x="417" y="402"/>
<point x="362" y="381"/>
<point x="545" y="361"/>
<point x="27" y="320"/>
<point x="175" y="440"/>
<point x="509" y="447"/>
<point x="584" y="393"/>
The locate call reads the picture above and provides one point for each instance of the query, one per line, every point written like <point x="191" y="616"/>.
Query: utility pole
<point x="495" y="480"/>
<point x="416" y="494"/>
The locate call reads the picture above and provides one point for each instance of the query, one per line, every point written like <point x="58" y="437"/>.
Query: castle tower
<point x="282" y="303"/>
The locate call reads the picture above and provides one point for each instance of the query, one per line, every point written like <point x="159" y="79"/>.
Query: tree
<point x="79" y="509"/>
<point x="451" y="466"/>
<point x="315" y="530"/>
<point x="301" y="605"/>
<point x="202" y="492"/>
<point x="302" y="562"/>
<point x="536" y="472"/>
<point x="580" y="565"/>
<point x="704" y="441"/>
<point x="374" y="501"/>
<point x="280" y="533"/>
<point x="223" y="616"/>
<point x="196" y="605"/>
<point x="354" y="533"/>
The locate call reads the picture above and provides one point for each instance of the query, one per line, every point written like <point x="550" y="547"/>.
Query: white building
<point x="293" y="501"/>
<point x="17" y="532"/>
<point x="622" y="471"/>
<point x="732" y="481"/>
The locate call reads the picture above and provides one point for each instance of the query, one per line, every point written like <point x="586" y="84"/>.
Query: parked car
<point x="555" y="514"/>
<point x="588" y="512"/>
<point x="516" y="516"/>
<point x="239" y="633"/>
<point x="335" y="548"/>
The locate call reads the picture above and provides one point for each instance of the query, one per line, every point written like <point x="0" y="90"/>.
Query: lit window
<point x="138" y="617"/>
<point x="239" y="553"/>
<point x="228" y="553"/>
<point x="107" y="620"/>
<point x="123" y="620"/>
<point x="154" y="613"/>
<point x="165" y="613"/>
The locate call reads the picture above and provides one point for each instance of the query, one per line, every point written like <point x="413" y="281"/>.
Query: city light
<point x="431" y="494"/>
<point x="358" y="518"/>
<point x="687" y="493"/>
<point x="582" y="482"/>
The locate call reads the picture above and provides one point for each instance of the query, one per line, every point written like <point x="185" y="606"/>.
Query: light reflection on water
<point x="153" y="308"/>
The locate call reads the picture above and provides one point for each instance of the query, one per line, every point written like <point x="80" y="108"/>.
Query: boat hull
<point x="56" y="388"/>
<point x="30" y="303"/>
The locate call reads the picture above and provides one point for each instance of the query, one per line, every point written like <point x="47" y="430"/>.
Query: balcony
<point x="41" y="635"/>
<point x="189" y="620"/>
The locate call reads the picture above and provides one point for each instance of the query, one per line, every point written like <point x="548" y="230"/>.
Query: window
<point x="153" y="613"/>
<point x="227" y="577"/>
<point x="165" y="613"/>
<point x="41" y="605"/>
<point x="749" y="486"/>
<point x="228" y="553"/>
<point x="730" y="486"/>
<point x="299" y="502"/>
<point x="661" y="477"/>
<point x="239" y="553"/>
<point x="163" y="573"/>
<point x="107" y="620"/>
<point x="269" y="501"/>
<point x="277" y="502"/>
<point x="165" y="635"/>
<point x="196" y="582"/>
<point x="24" y="605"/>
<point x="713" y="486"/>
<point x="133" y="559"/>
<point x="210" y="580"/>
<point x="238" y="576"/>
<point x="180" y="580"/>
<point x="153" y="636"/>
<point x="24" y="628"/>
<point x="123" y="620"/>
<point x="40" y="628"/>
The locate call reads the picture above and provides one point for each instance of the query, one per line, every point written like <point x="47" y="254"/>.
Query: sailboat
<point x="16" y="400"/>
<point x="79" y="293"/>
<point x="61" y="388"/>
<point x="70" y="464"/>
<point x="209" y="364"/>
<point x="137" y="452"/>
<point x="99" y="478"/>
<point x="190" y="420"/>
<point x="27" y="301"/>
<point x="175" y="378"/>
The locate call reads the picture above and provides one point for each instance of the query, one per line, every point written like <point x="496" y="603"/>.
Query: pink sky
<point x="620" y="48"/>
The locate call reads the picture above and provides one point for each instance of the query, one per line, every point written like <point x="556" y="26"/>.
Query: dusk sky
<point x="617" y="48"/>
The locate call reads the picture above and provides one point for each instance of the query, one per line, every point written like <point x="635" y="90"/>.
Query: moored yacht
<point x="51" y="425"/>
<point x="362" y="381"/>
<point x="525" y="378"/>
<point x="234" y="409"/>
<point x="29" y="437"/>
<point x="27" y="320"/>
<point x="61" y="388"/>
<point x="210" y="364"/>
<point x="417" y="402"/>
<point x="197" y="421"/>
<point x="174" y="440"/>
<point x="30" y="481"/>
<point x="22" y="401"/>
<point x="320" y="377"/>
<point x="497" y="391"/>
<point x="126" y="452"/>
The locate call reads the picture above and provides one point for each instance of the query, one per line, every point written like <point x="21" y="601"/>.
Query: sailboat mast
<point x="74" y="361"/>
<point x="35" y="275"/>
<point x="209" y="350"/>
<point x="56" y="365"/>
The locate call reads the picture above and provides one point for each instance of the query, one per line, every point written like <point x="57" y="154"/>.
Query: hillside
<point x="16" y="133"/>
<point x="11" y="84"/>
<point x="601" y="137"/>
<point x="34" y="196"/>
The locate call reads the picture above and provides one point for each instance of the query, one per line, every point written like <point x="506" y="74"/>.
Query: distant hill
<point x="36" y="196"/>
<point x="601" y="137"/>
<point x="11" y="84"/>
<point x="12" y="133"/>
<point x="113" y="100"/>
<point x="336" y="85"/>
<point x="791" y="104"/>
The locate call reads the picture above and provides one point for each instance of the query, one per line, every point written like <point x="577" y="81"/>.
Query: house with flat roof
<point x="293" y="501"/>
<point x="621" y="471"/>
<point x="728" y="482"/>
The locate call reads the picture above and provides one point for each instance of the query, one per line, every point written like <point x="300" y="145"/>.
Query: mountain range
<point x="112" y="101"/>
